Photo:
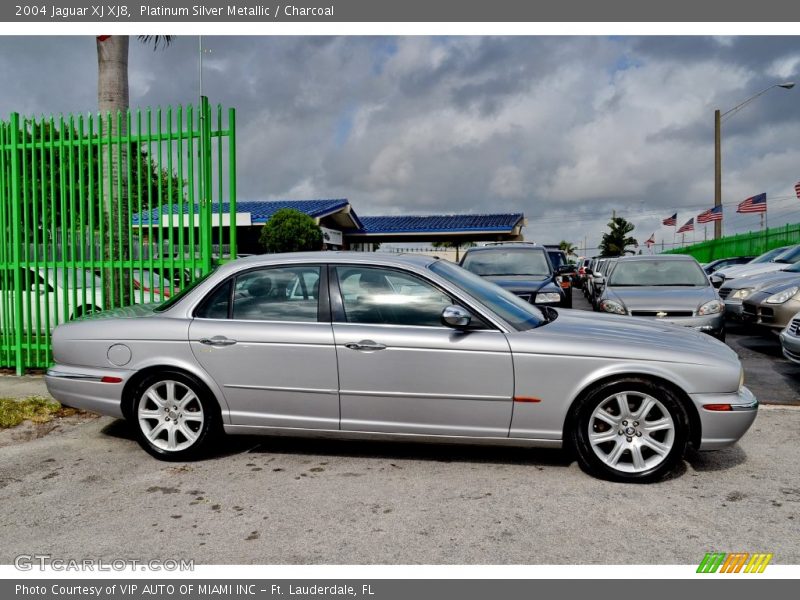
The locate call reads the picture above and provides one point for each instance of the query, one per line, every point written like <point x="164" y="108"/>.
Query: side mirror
<point x="599" y="280"/>
<point x="456" y="317"/>
<point x="588" y="271"/>
<point x="564" y="269"/>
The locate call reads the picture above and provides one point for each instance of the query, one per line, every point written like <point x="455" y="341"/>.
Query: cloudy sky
<point x="564" y="129"/>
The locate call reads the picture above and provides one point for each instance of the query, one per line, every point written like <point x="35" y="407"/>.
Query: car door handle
<point x="218" y="340"/>
<point x="365" y="345"/>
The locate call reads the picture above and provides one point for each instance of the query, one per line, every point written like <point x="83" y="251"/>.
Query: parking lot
<point x="88" y="490"/>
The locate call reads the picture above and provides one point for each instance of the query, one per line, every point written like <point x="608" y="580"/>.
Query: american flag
<point x="651" y="241"/>
<point x="689" y="226"/>
<point x="671" y="221"/>
<point x="712" y="214"/>
<point x="755" y="204"/>
<point x="797" y="189"/>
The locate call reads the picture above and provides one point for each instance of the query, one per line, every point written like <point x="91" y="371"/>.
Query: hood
<point x="747" y="270"/>
<point x="662" y="298"/>
<point x="760" y="280"/>
<point x="520" y="283"/>
<point x="581" y="333"/>
<point x="779" y="286"/>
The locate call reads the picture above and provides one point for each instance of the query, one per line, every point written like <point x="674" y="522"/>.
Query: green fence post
<point x="206" y="171"/>
<point x="15" y="243"/>
<point x="232" y="179"/>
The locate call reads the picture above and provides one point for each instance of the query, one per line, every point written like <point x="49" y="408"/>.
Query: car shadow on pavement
<point x="120" y="428"/>
<point x="448" y="453"/>
<point x="719" y="460"/>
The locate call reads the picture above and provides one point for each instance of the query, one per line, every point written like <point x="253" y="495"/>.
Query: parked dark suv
<point x="521" y="268"/>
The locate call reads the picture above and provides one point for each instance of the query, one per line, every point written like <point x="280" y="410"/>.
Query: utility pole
<point x="717" y="171"/>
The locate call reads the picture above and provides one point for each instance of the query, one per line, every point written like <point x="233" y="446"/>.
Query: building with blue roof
<point x="341" y="226"/>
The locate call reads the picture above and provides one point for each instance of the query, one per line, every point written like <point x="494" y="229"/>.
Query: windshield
<point x="182" y="294"/>
<point x="508" y="262"/>
<point x="790" y="256"/>
<point x="768" y="256"/>
<point x="556" y="258"/>
<point x="639" y="273"/>
<point x="514" y="311"/>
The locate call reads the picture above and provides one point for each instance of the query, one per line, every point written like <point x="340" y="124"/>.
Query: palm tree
<point x="568" y="247"/>
<point x="113" y="101"/>
<point x="616" y="240"/>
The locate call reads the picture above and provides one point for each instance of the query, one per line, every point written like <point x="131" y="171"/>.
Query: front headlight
<point x="741" y="294"/>
<point x="783" y="296"/>
<point x="613" y="307"/>
<point x="711" y="307"/>
<point x="547" y="297"/>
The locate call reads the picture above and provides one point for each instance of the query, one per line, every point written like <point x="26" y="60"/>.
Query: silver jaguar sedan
<point x="365" y="345"/>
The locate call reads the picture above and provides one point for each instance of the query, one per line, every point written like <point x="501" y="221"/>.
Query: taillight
<point x="717" y="407"/>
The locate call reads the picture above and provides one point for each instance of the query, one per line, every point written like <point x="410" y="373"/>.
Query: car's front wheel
<point x="630" y="430"/>
<point x="175" y="419"/>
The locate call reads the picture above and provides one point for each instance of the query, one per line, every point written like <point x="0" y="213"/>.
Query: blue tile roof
<point x="260" y="210"/>
<point x="441" y="223"/>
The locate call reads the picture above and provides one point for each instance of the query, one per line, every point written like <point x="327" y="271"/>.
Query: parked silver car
<point x="735" y="291"/>
<point x="670" y="288"/>
<point x="790" y="339"/>
<point x="366" y="345"/>
<point x="774" y="306"/>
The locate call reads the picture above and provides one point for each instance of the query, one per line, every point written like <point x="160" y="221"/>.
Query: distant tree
<point x="453" y="245"/>
<point x="568" y="247"/>
<point x="616" y="241"/>
<point x="290" y="230"/>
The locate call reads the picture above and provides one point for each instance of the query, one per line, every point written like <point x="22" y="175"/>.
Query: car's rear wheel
<point x="175" y="419"/>
<point x="630" y="430"/>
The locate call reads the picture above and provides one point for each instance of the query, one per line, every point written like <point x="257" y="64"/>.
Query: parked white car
<point x="51" y="296"/>
<point x="774" y="260"/>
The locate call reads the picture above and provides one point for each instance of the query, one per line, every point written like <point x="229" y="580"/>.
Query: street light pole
<point x="718" y="146"/>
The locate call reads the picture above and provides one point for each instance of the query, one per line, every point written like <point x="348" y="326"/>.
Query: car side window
<point x="217" y="304"/>
<point x="277" y="294"/>
<point x="383" y="296"/>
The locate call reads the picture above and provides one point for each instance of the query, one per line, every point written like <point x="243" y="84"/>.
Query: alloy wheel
<point x="631" y="432"/>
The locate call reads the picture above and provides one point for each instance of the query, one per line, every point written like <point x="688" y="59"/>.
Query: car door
<point x="402" y="371"/>
<point x="260" y="336"/>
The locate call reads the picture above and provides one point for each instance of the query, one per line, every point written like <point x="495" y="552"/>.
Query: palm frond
<point x="162" y="40"/>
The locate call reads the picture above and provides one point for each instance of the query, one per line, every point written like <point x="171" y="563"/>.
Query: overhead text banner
<point x="401" y="11"/>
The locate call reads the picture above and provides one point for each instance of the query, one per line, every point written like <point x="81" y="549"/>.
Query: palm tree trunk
<point x="113" y="101"/>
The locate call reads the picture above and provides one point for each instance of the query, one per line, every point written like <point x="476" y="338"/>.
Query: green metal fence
<point x="104" y="211"/>
<point x="752" y="243"/>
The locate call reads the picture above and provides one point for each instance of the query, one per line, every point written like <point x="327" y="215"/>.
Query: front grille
<point x="526" y="297"/>
<point x="724" y="292"/>
<point x="767" y="314"/>
<point x="661" y="313"/>
<point x="794" y="326"/>
<point x="749" y="309"/>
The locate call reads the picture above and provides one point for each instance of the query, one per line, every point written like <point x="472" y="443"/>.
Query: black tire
<point x="175" y="422"/>
<point x="589" y="458"/>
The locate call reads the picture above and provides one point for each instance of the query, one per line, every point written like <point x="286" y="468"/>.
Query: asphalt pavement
<point x="90" y="491"/>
